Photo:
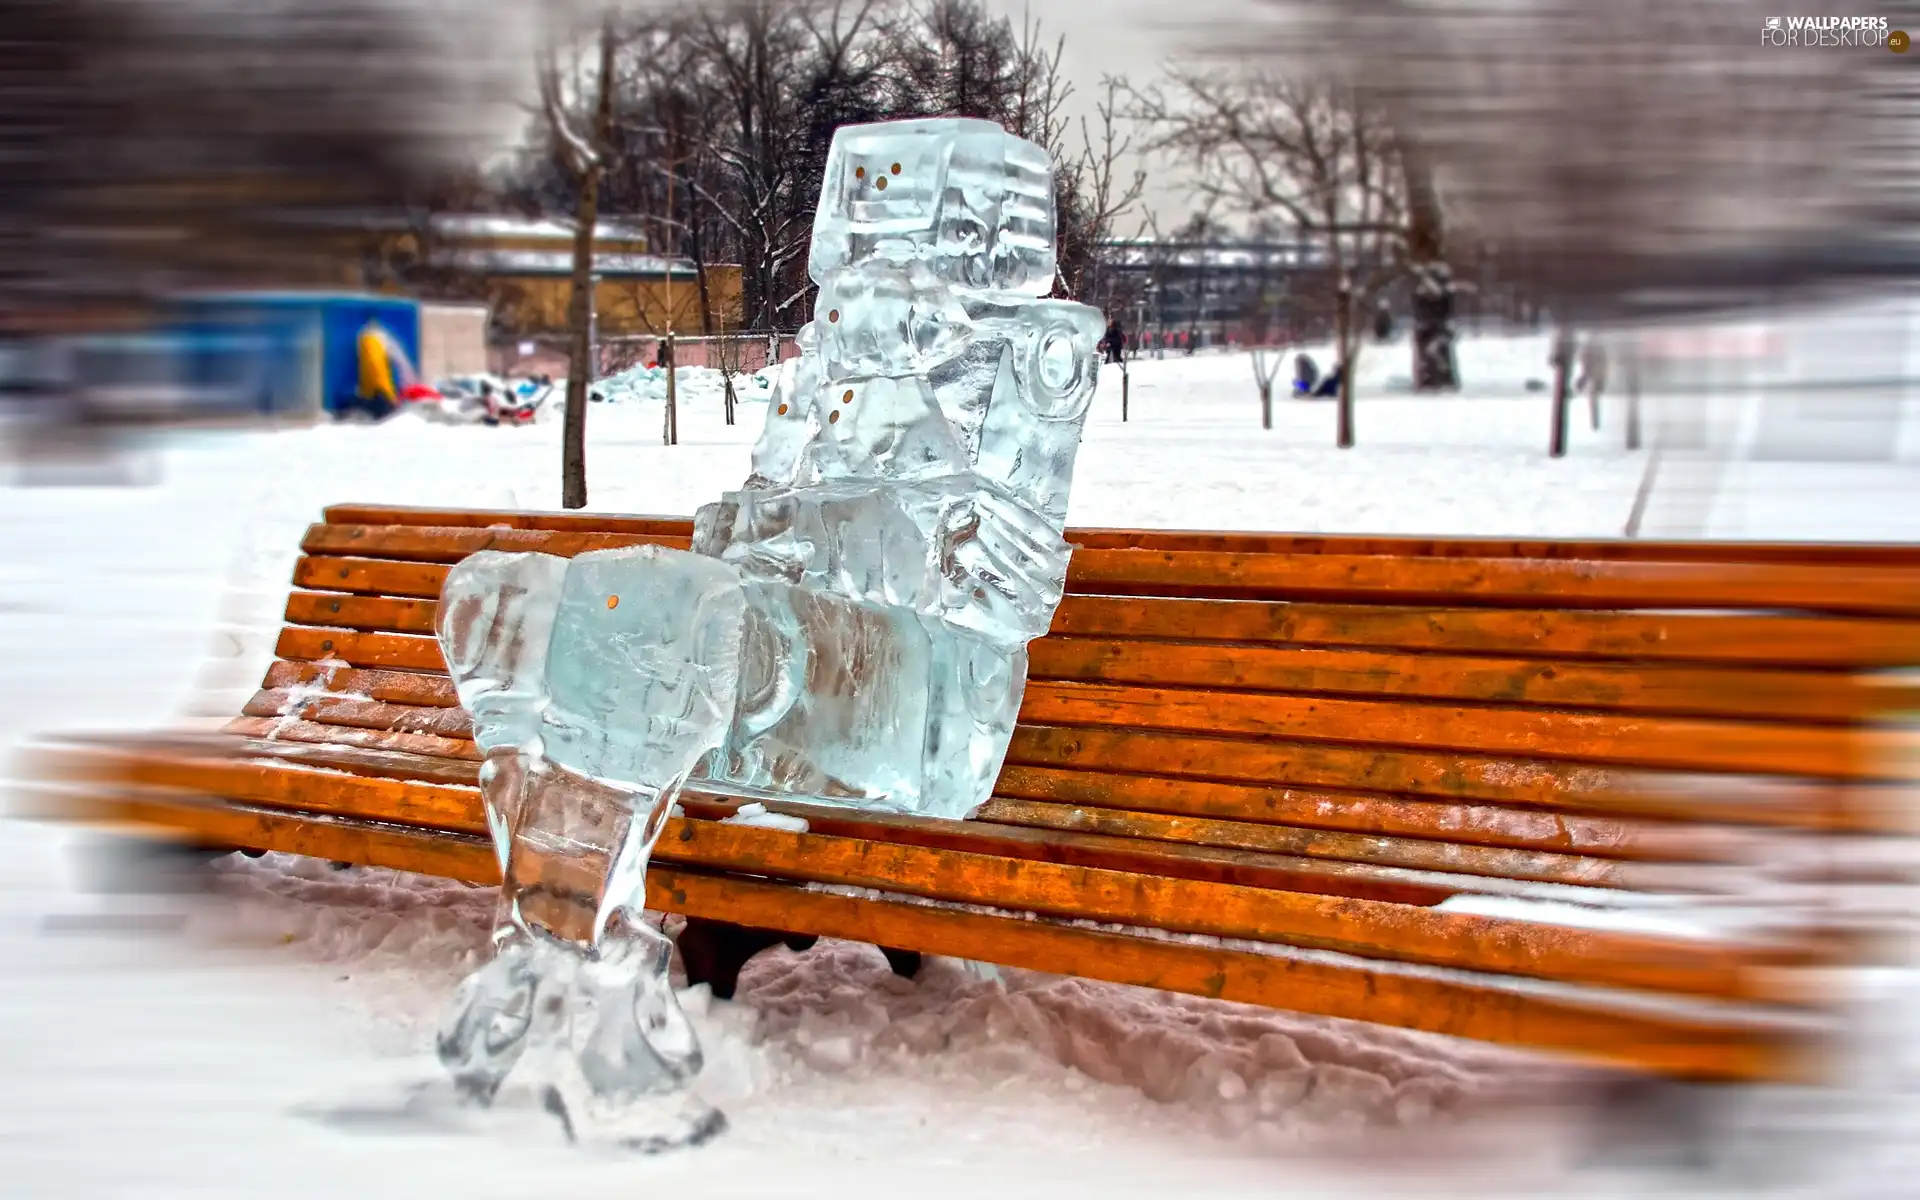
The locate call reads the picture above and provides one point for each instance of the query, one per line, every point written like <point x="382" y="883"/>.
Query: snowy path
<point x="181" y="1051"/>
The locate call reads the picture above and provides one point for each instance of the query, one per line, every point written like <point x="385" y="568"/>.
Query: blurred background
<point x="1543" y="268"/>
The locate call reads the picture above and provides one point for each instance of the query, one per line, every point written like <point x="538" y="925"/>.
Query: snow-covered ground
<point x="212" y="1045"/>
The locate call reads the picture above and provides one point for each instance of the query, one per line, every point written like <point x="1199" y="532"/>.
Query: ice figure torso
<point x="900" y="536"/>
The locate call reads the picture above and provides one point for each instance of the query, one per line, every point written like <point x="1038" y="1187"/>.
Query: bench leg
<point x="714" y="952"/>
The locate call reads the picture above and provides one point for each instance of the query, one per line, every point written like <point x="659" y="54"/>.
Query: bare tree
<point x="585" y="146"/>
<point x="1104" y="191"/>
<point x="1312" y="149"/>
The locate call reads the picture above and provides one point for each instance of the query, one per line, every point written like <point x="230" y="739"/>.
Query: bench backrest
<point x="1605" y="714"/>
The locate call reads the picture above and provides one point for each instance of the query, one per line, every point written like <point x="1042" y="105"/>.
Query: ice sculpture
<point x="850" y="627"/>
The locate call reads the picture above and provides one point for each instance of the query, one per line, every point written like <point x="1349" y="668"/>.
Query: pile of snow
<point x="695" y="385"/>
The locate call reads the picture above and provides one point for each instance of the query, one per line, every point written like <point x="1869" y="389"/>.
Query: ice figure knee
<point x="850" y="629"/>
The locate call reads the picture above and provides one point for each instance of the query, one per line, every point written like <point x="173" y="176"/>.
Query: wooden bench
<point x="1281" y="770"/>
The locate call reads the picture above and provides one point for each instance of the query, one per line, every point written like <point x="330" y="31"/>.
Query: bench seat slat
<point x="1694" y="1046"/>
<point x="935" y="866"/>
<point x="229" y="770"/>
<point x="1186" y="810"/>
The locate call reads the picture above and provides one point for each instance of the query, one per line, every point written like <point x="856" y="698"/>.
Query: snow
<point x="209" y="1044"/>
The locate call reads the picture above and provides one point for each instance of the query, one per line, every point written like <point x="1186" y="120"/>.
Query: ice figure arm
<point x="1003" y="566"/>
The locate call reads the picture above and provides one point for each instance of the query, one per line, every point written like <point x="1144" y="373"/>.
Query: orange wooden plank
<point x="1409" y="853"/>
<point x="1369" y="813"/>
<point x="290" y="782"/>
<point x="1690" y="1047"/>
<point x="1800" y="696"/>
<point x="393" y="687"/>
<point x="450" y="544"/>
<point x="1542" y="632"/>
<point x="1669" y="742"/>
<point x="1160" y="539"/>
<point x="1695" y="1046"/>
<point x="375" y="613"/>
<point x="1368" y="928"/>
<point x="371" y="576"/>
<point x="1535" y="783"/>
<point x="279" y="785"/>
<point x="397" y="651"/>
<point x="361" y="714"/>
<point x="1884" y="590"/>
<point x="1599" y="550"/>
<point x="289" y="730"/>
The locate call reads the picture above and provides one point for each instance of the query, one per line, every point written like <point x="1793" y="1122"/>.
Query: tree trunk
<point x="573" y="442"/>
<point x="1266" y="406"/>
<point x="1562" y="401"/>
<point x="1343" y="339"/>
<point x="1434" y="367"/>
<point x="671" y="435"/>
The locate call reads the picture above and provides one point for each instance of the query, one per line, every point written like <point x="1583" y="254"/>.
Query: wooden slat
<point x="361" y="714"/>
<point x="1410" y="853"/>
<point x="1597" y="550"/>
<point x="1688" y="1046"/>
<point x="382" y="614"/>
<point x="1202" y="805"/>
<point x="1667" y="742"/>
<point x="1538" y="784"/>
<point x="287" y="730"/>
<point x="370" y="576"/>
<point x="1370" y="813"/>
<point x="396" y="651"/>
<point x="1367" y="928"/>
<point x="1239" y="542"/>
<point x="225" y="772"/>
<point x="1799" y="696"/>
<point x="278" y="784"/>
<point x="393" y="687"/>
<point x="450" y="544"/>
<point x="568" y="522"/>
<point x="942" y="871"/>
<point x="1883" y="590"/>
<point x="1542" y="632"/>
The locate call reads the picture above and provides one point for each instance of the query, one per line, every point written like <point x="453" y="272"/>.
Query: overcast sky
<point x="1103" y="37"/>
<point x="1132" y="38"/>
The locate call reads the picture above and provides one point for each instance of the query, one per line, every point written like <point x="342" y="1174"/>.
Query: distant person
<point x="1115" y="343"/>
<point x="1192" y="339"/>
<point x="1383" y="322"/>
<point x="1593" y="368"/>
<point x="1306" y="373"/>
<point x="1330" y="386"/>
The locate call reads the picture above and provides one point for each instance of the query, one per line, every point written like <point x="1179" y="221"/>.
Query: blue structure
<point x="296" y="351"/>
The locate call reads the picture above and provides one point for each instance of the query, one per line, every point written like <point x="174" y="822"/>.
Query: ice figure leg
<point x="576" y="1000"/>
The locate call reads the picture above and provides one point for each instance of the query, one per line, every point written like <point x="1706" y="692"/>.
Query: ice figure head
<point x="965" y="197"/>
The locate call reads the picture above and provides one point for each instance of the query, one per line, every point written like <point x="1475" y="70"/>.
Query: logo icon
<point x="1773" y="24"/>
<point x="1898" y="41"/>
